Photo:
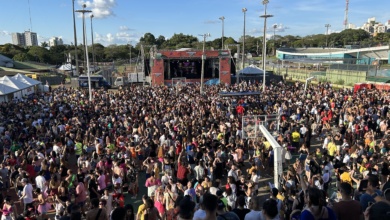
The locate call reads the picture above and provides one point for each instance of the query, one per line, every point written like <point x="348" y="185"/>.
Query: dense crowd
<point x="82" y="158"/>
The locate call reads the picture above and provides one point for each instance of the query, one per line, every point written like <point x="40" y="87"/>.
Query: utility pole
<point x="244" y="10"/>
<point x="265" y="16"/>
<point x="223" y="28"/>
<point x="203" y="60"/>
<point x="86" y="50"/>
<point x="93" y="46"/>
<point x="75" y="41"/>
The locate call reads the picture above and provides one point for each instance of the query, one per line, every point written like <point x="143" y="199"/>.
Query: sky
<point x="125" y="21"/>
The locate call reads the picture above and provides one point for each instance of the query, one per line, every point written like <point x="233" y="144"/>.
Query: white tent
<point x="67" y="67"/>
<point x="19" y="86"/>
<point x="25" y="79"/>
<point x="251" y="70"/>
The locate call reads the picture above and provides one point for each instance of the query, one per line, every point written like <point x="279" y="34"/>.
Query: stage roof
<point x="230" y="94"/>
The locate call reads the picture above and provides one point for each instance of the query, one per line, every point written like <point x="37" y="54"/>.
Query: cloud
<point x="211" y="22"/>
<point x="5" y="33"/>
<point x="104" y="39"/>
<point x="100" y="8"/>
<point x="279" y="28"/>
<point x="125" y="28"/>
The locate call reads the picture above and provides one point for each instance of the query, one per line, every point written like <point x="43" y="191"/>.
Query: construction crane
<point x="346" y="15"/>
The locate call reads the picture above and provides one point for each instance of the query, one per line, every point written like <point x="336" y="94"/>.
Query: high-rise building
<point x="31" y="38"/>
<point x="18" y="39"/>
<point x="55" y="41"/>
<point x="27" y="38"/>
<point x="373" y="27"/>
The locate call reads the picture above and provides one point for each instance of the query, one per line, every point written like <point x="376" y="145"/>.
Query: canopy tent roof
<point x="67" y="67"/>
<point x="25" y="79"/>
<point x="13" y="83"/>
<point x="4" y="89"/>
<point x="251" y="70"/>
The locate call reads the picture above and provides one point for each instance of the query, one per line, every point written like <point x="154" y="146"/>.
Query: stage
<point x="172" y="64"/>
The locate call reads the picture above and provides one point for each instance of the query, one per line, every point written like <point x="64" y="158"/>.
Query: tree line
<point x="57" y="55"/>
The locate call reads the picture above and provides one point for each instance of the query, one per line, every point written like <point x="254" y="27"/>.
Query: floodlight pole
<point x="93" y="47"/>
<point x="86" y="50"/>
<point x="223" y="28"/>
<point x="203" y="60"/>
<point x="75" y="41"/>
<point x="244" y="10"/>
<point x="265" y="16"/>
<point x="327" y="29"/>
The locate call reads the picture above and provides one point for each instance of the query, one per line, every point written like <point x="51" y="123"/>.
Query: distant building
<point x="373" y="27"/>
<point x="55" y="41"/>
<point x="27" y="38"/>
<point x="351" y="26"/>
<point x="18" y="39"/>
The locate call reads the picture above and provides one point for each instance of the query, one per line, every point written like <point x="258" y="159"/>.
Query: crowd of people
<point x="81" y="158"/>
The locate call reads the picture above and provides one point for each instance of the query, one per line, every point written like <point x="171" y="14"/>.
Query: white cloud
<point x="125" y="28"/>
<point x="117" y="38"/>
<point x="5" y="33"/>
<point x="211" y="21"/>
<point x="100" y="8"/>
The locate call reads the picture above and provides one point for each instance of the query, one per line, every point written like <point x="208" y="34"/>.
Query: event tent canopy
<point x="11" y="82"/>
<point x="25" y="79"/>
<point x="4" y="89"/>
<point x="251" y="70"/>
<point x="67" y="67"/>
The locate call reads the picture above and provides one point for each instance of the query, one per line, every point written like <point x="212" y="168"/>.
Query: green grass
<point x="15" y="70"/>
<point x="27" y="65"/>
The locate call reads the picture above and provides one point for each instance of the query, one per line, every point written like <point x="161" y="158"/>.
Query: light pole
<point x="75" y="41"/>
<point x="83" y="11"/>
<point x="93" y="47"/>
<point x="223" y="28"/>
<point x="243" y="43"/>
<point x="275" y="26"/>
<point x="203" y="58"/>
<point x="265" y="16"/>
<point x="327" y="29"/>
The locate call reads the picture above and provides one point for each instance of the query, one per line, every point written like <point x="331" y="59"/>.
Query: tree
<point x="181" y="41"/>
<point x="148" y="39"/>
<point x="39" y="54"/>
<point x="22" y="57"/>
<point x="44" y="44"/>
<point x="160" y="41"/>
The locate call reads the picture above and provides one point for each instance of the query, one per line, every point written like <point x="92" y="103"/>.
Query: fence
<point x="251" y="125"/>
<point x="352" y="67"/>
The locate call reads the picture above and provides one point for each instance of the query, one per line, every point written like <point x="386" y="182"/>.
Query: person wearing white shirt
<point x="27" y="194"/>
<point x="40" y="181"/>
<point x="56" y="149"/>
<point x="233" y="173"/>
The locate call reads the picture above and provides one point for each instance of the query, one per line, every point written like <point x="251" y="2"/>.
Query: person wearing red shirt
<point x="240" y="110"/>
<point x="183" y="170"/>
